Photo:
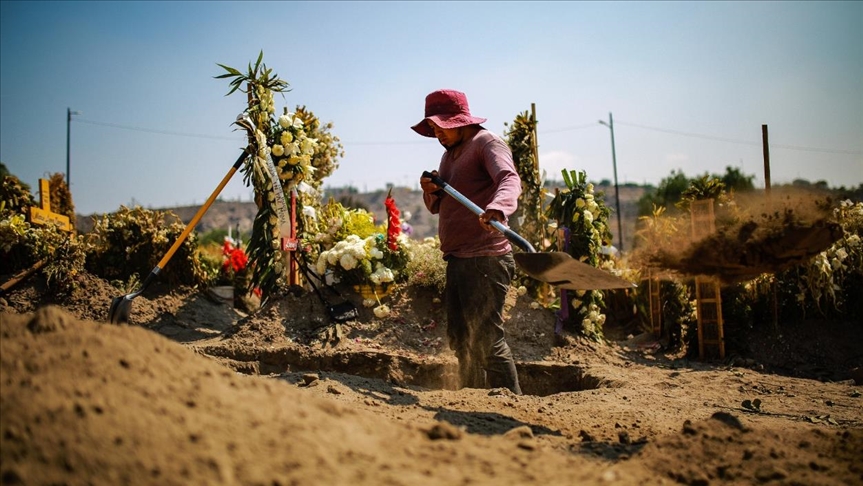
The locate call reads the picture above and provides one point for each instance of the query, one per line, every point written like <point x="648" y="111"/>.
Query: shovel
<point x="555" y="268"/>
<point x="121" y="306"/>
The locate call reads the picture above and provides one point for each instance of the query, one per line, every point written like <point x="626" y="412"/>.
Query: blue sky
<point x="689" y="85"/>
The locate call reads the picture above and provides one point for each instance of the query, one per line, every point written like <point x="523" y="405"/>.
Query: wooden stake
<point x="766" y="149"/>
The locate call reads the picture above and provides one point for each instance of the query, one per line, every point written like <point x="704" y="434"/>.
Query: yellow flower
<point x="278" y="150"/>
<point x="287" y="138"/>
<point x="294" y="160"/>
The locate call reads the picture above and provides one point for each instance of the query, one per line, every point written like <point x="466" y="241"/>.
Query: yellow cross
<point x="43" y="215"/>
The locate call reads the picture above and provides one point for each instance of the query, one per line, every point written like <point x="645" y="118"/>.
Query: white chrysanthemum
<point x="376" y="253"/>
<point x="522" y="290"/>
<point x="381" y="275"/>
<point x="348" y="262"/>
<point x="286" y="138"/>
<point x="285" y="120"/>
<point x="321" y="265"/>
<point x="588" y="217"/>
<point x="579" y="203"/>
<point x="332" y="256"/>
<point x="590" y="188"/>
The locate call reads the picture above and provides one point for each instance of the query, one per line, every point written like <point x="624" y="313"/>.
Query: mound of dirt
<point x="193" y="391"/>
<point x="92" y="403"/>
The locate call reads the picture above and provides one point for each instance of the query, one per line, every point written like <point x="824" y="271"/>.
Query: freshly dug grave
<point x="193" y="392"/>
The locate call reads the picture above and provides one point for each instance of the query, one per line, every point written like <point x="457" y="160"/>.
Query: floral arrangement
<point x="357" y="252"/>
<point x="281" y="160"/>
<point x="583" y="229"/>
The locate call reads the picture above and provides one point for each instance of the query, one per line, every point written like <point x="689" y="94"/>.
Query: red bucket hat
<point x="447" y="108"/>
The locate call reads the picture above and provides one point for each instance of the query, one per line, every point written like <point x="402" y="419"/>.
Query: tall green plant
<point x="530" y="219"/>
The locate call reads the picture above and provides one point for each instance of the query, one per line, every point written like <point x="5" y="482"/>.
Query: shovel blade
<point x="121" y="308"/>
<point x="561" y="270"/>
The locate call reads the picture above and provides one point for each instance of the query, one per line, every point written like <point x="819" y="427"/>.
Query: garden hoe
<point x="121" y="306"/>
<point x="555" y="268"/>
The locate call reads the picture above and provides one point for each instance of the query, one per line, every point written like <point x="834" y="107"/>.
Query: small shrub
<point x="133" y="241"/>
<point x="426" y="266"/>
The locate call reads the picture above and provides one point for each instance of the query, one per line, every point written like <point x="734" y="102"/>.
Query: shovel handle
<point x="510" y="235"/>
<point x="199" y="215"/>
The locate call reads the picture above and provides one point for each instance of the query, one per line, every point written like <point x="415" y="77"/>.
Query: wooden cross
<point x="43" y="215"/>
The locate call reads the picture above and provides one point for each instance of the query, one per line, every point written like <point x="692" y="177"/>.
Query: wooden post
<point x="533" y="139"/>
<point x="766" y="149"/>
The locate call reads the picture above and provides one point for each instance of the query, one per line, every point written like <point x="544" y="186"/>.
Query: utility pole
<point x="610" y="125"/>
<point x="69" y="114"/>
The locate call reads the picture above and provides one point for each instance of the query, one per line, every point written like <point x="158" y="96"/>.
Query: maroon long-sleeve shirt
<point x="482" y="170"/>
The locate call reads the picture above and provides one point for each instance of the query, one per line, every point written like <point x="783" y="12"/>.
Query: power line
<point x="568" y="129"/>
<point x="742" y="142"/>
<point x="556" y="130"/>
<point x="152" y="130"/>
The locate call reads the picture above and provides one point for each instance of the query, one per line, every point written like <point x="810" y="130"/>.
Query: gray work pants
<point x="475" y="294"/>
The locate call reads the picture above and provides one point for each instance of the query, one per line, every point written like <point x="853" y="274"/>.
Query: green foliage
<point x="667" y="194"/>
<point x="61" y="198"/>
<point x="700" y="189"/>
<point x="22" y="245"/>
<point x="131" y="242"/>
<point x="676" y="189"/>
<point x="15" y="196"/>
<point x="830" y="283"/>
<point x="530" y="219"/>
<point x="735" y="181"/>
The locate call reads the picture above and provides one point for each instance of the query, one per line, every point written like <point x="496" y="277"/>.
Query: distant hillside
<point x="234" y="215"/>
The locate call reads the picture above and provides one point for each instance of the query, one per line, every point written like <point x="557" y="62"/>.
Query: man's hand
<point x="428" y="186"/>
<point x="489" y="215"/>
